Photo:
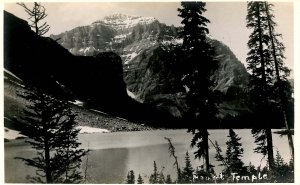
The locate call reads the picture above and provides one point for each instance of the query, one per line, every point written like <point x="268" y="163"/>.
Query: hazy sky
<point x="228" y="22"/>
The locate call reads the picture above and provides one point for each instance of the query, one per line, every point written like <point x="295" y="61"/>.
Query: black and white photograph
<point x="191" y="92"/>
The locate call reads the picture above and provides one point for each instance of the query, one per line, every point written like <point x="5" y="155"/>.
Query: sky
<point x="228" y="23"/>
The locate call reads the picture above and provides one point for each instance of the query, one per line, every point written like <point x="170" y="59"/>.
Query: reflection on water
<point x="114" y="154"/>
<point x="107" y="166"/>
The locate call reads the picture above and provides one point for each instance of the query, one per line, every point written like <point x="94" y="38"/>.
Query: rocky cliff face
<point x="145" y="47"/>
<point x="124" y="34"/>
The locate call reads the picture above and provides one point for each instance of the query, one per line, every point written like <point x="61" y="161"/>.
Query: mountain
<point x="96" y="80"/>
<point x="124" y="34"/>
<point x="124" y="66"/>
<point x="145" y="46"/>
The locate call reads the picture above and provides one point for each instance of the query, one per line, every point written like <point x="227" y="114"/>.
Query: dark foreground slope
<point x="14" y="106"/>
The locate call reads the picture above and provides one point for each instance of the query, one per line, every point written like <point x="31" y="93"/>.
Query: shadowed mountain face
<point x="97" y="80"/>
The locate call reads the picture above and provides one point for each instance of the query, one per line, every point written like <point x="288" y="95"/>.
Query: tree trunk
<point x="47" y="163"/>
<point x="35" y="20"/>
<point x="270" y="148"/>
<point x="206" y="152"/>
<point x="47" y="169"/>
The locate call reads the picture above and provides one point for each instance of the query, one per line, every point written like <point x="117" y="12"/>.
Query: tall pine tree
<point x="282" y="86"/>
<point x="50" y="127"/>
<point x="187" y="171"/>
<point x="234" y="152"/>
<point x="154" y="177"/>
<point x="68" y="153"/>
<point x="232" y="159"/>
<point x="283" y="173"/>
<point x="260" y="68"/>
<point x="197" y="68"/>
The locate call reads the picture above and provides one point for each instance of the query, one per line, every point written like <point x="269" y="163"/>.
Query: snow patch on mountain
<point x="130" y="94"/>
<point x="85" y="51"/>
<point x="167" y="44"/>
<point x="122" y="21"/>
<point x="120" y="38"/>
<point x="90" y="130"/>
<point x="129" y="57"/>
<point x="89" y="49"/>
<point x="77" y="102"/>
<point x="172" y="41"/>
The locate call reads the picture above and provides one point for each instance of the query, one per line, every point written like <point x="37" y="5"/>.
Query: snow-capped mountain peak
<point x="121" y="21"/>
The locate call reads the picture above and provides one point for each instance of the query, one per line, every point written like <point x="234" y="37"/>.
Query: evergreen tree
<point x="37" y="14"/>
<point x="264" y="140"/>
<point x="251" y="169"/>
<point x="140" y="180"/>
<point x="169" y="180"/>
<point x="187" y="171"/>
<point x="219" y="156"/>
<point x="161" y="178"/>
<point x="232" y="160"/>
<point x="278" y="160"/>
<point x="234" y="153"/>
<point x="67" y="152"/>
<point x="50" y="127"/>
<point x="281" y="85"/>
<point x="197" y="67"/>
<point x="172" y="153"/>
<point x="282" y="171"/>
<point x="130" y="177"/>
<point x="261" y="68"/>
<point x="154" y="176"/>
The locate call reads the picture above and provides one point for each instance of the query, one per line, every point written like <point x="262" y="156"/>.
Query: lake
<point x="114" y="154"/>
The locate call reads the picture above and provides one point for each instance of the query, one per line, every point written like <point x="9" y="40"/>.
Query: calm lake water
<point x="114" y="154"/>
